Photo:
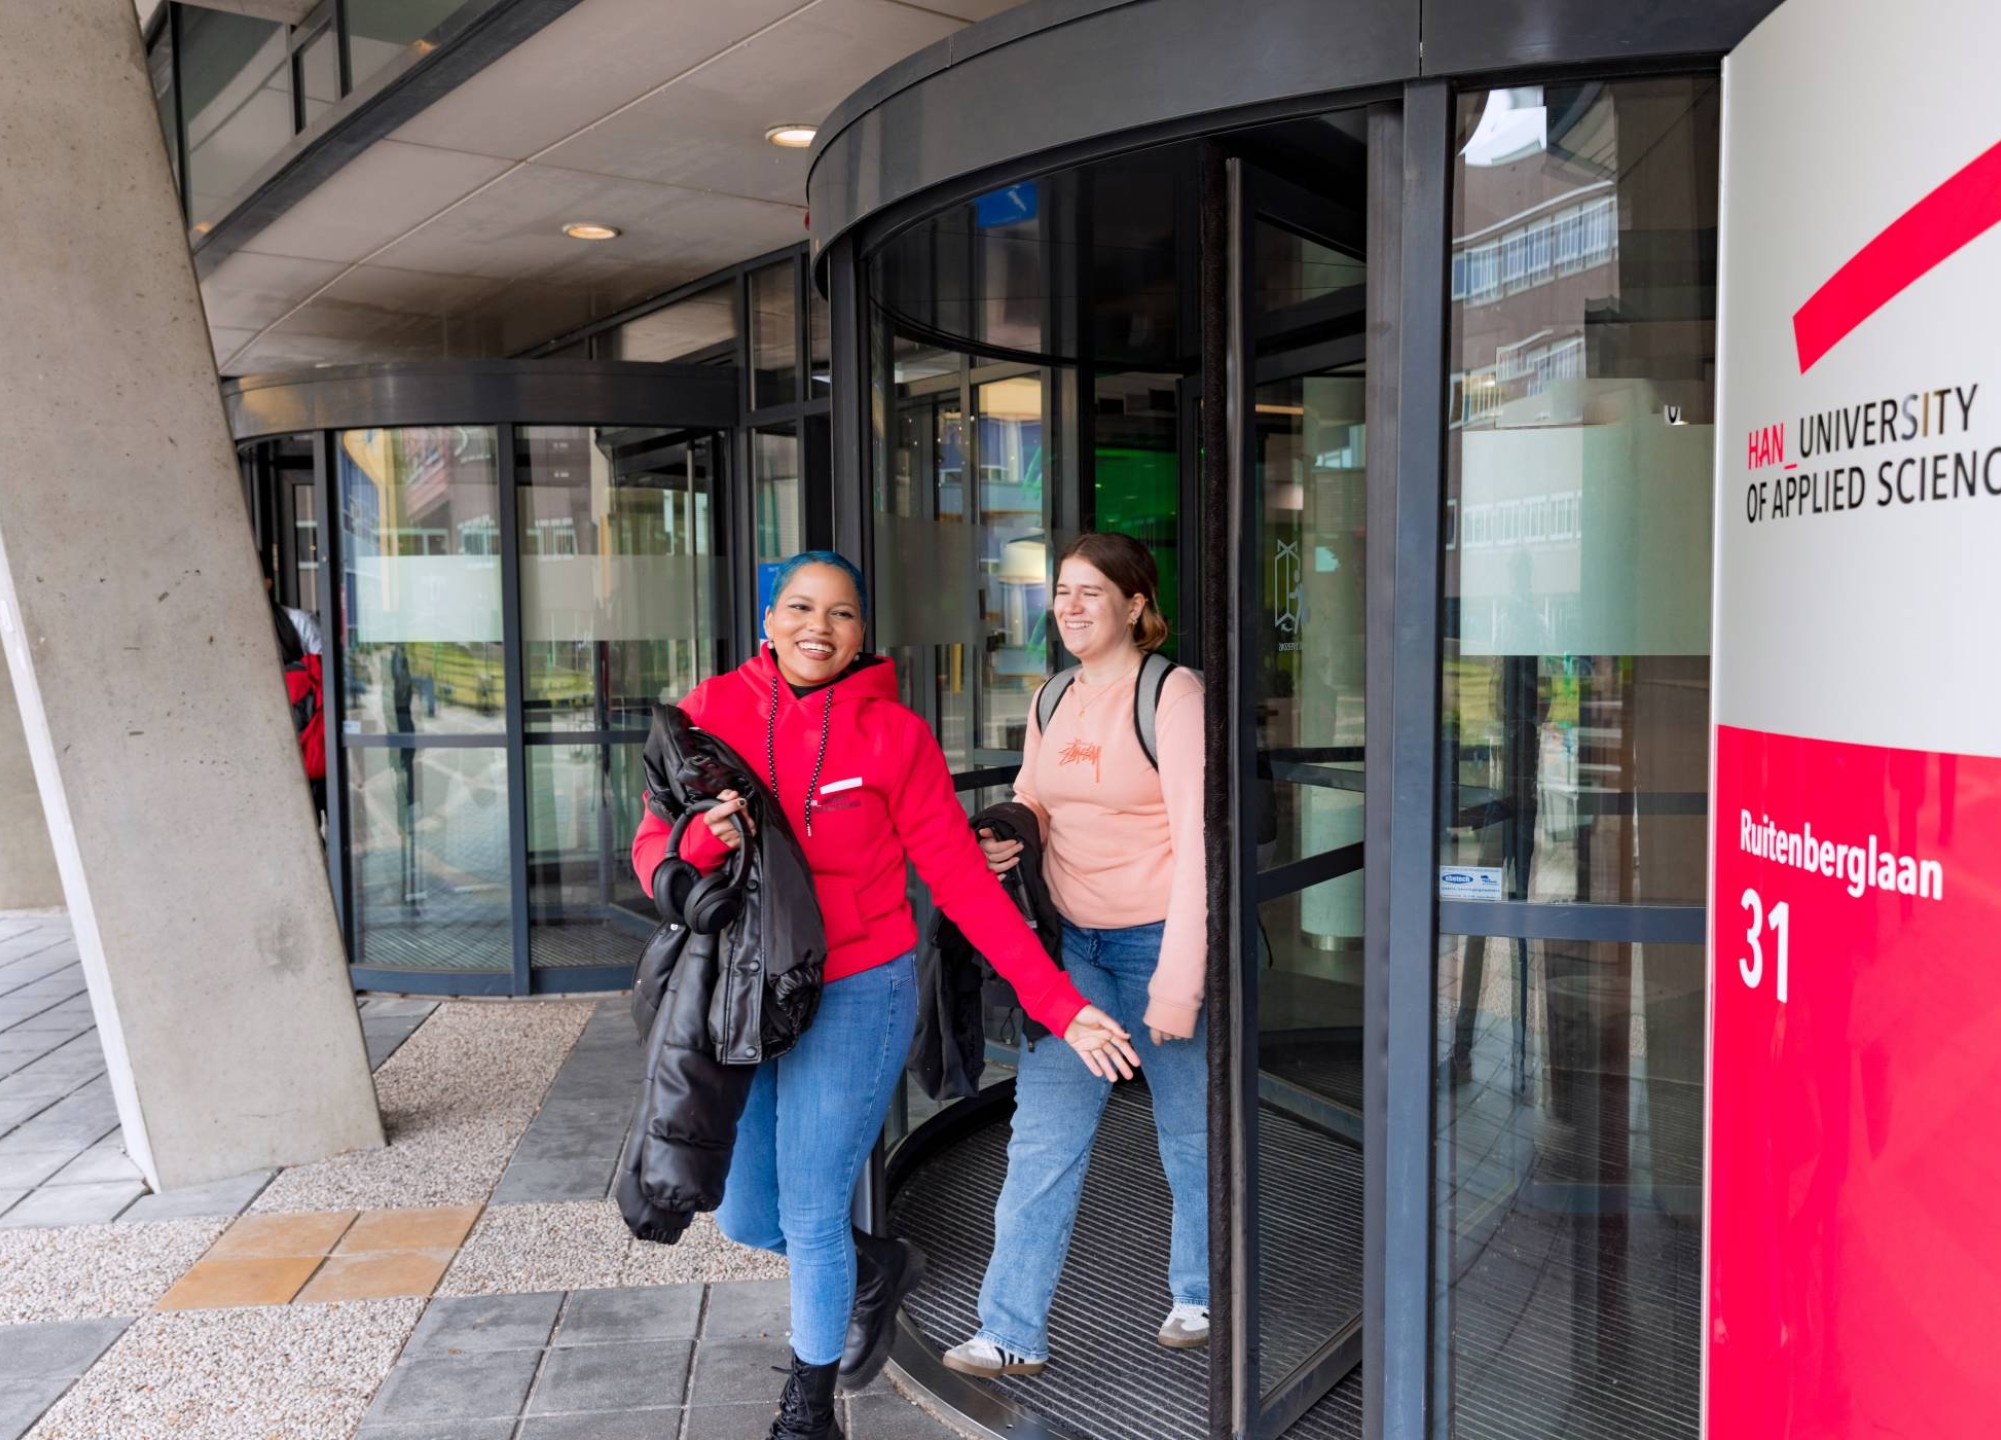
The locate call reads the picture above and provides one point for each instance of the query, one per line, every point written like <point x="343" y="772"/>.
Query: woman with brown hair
<point x="1123" y="861"/>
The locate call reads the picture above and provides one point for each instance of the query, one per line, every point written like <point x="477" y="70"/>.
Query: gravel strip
<point x="80" y="1272"/>
<point x="455" y="1099"/>
<point x="584" y="1245"/>
<point x="304" y="1372"/>
<point x="704" y="1253"/>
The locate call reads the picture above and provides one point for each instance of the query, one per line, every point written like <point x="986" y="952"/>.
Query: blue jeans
<point x="1057" y="1107"/>
<point x="812" y="1118"/>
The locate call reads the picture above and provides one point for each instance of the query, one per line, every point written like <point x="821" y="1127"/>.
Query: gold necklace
<point x="1085" y="701"/>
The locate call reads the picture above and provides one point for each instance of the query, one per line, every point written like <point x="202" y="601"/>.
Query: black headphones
<point x="707" y="904"/>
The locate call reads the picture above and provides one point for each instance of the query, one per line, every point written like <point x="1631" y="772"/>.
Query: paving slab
<point x="659" y="1424"/>
<point x="486" y="1385"/>
<point x="486" y="1322"/>
<point x="441" y="1430"/>
<point x="630" y="1376"/>
<point x="224" y="1198"/>
<point x="94" y="1204"/>
<point x="746" y="1309"/>
<point x="26" y="1169"/>
<point x="23" y="1402"/>
<point x="63" y="1348"/>
<point x="660" y="1312"/>
<point x="733" y="1371"/>
<point x="891" y="1417"/>
<point x="748" y="1420"/>
<point x="99" y="1165"/>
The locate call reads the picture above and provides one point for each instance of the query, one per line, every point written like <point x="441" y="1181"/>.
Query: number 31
<point x="1753" y="969"/>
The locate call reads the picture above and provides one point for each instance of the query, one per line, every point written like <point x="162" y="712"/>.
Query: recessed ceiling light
<point x="591" y="230"/>
<point x="792" y="137"/>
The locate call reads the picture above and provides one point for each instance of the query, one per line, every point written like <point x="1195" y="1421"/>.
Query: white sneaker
<point x="980" y="1356"/>
<point x="1185" y="1328"/>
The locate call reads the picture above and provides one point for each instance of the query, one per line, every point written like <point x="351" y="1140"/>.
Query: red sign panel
<point x="1855" y="1180"/>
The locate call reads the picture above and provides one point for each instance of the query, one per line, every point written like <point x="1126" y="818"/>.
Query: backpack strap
<point x="1152" y="679"/>
<point x="1050" y="696"/>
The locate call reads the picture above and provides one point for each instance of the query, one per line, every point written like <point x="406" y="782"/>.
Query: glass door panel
<point x="1306" y="672"/>
<point x="619" y="612"/>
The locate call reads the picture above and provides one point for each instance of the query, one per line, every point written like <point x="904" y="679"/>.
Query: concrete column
<point x="140" y="641"/>
<point x="28" y="878"/>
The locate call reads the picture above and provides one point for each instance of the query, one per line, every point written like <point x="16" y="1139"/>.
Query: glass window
<point x="1569" y="1117"/>
<point x="380" y="30"/>
<point x="1568" y="1120"/>
<point x="420" y="548"/>
<point x="821" y="361"/>
<point x="618" y="572"/>
<point x="160" y="65"/>
<point x="236" y="77"/>
<point x="779" y="499"/>
<point x="774" y="335"/>
<point x="1576" y="680"/>
<point x="319" y="76"/>
<point x="427" y="833"/>
<point x="585" y="906"/>
<point x="701" y="329"/>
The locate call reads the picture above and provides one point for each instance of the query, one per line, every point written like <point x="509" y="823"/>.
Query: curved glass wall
<point x="612" y="555"/>
<point x="1575" y="697"/>
<point x="1037" y="370"/>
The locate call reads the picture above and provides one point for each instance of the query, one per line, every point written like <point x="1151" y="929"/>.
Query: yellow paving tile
<point x="378" y="1276"/>
<point x="214" y="1284"/>
<point x="282" y="1237"/>
<point x="438" y="1227"/>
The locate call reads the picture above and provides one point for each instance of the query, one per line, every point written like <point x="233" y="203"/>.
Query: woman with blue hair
<point x="866" y="788"/>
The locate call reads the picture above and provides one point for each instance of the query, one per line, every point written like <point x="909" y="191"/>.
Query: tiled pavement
<point x="61" y="1162"/>
<point x="677" y="1362"/>
<point x="273" y="1330"/>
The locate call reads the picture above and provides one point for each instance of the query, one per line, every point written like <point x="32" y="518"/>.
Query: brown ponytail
<point x="1129" y="565"/>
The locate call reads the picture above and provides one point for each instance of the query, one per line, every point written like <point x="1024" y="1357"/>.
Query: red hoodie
<point x="884" y="794"/>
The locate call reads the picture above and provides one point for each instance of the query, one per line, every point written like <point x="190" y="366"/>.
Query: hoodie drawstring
<point x="771" y="749"/>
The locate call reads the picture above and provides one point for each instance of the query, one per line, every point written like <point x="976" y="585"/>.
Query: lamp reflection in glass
<point x="1024" y="582"/>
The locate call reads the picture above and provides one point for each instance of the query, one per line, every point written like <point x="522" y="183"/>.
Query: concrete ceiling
<point x="445" y="239"/>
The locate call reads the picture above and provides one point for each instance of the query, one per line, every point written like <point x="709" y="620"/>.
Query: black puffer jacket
<point x="956" y="987"/>
<point x="730" y="979"/>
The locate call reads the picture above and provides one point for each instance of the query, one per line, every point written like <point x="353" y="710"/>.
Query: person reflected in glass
<point x="865" y="787"/>
<point x="401" y="692"/>
<point x="1123" y="861"/>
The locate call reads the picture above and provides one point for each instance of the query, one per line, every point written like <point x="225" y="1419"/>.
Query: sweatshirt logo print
<point x="1081" y="752"/>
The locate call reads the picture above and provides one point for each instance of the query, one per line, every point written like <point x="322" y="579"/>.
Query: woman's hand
<point x="1102" y="1044"/>
<point x="720" y="823"/>
<point x="1002" y="855"/>
<point x="1166" y="1037"/>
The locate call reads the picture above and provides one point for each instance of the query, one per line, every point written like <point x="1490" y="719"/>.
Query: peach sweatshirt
<point x="1123" y="842"/>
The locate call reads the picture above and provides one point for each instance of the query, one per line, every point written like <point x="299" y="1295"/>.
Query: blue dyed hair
<point x="783" y="576"/>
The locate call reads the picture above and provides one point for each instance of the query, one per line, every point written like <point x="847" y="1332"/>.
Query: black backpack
<point x="1153" y="672"/>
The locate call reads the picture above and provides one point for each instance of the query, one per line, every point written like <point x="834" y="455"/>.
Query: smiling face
<point x="815" y="625"/>
<point x="1093" y="616"/>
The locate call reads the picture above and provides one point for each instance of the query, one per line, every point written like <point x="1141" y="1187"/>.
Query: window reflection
<point x="236" y="79"/>
<point x="1575" y="689"/>
<point x="420" y="547"/>
<point x="618" y="571"/>
<point x="427" y="836"/>
<point x="1569" y="1178"/>
<point x="1576" y="680"/>
<point x="380" y="30"/>
<point x="701" y="329"/>
<point x="774" y="335"/>
<point x="585" y="906"/>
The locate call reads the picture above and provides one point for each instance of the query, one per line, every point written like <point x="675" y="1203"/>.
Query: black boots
<point x="806" y="1409"/>
<point x="885" y="1271"/>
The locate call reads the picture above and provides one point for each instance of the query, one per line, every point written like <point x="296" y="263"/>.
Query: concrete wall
<point x="141" y="643"/>
<point x="28" y="878"/>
